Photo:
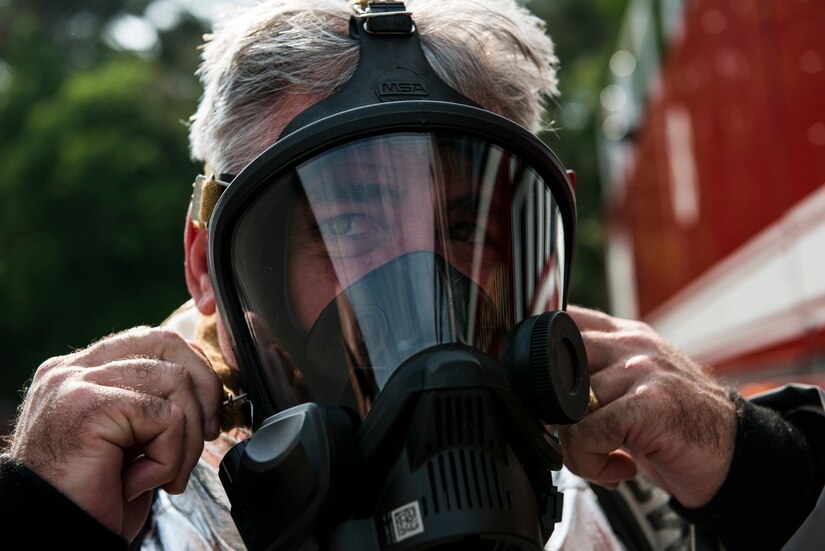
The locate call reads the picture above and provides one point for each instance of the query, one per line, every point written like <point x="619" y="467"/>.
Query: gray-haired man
<point x="103" y="428"/>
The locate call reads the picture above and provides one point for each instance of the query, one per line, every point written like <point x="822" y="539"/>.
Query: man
<point x="102" y="428"/>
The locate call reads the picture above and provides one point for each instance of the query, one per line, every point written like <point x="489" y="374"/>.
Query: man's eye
<point x="463" y="231"/>
<point x="345" y="225"/>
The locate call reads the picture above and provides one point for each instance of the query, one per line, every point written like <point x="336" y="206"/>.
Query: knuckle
<point x="51" y="377"/>
<point x="168" y="335"/>
<point x="129" y="337"/>
<point x="643" y="327"/>
<point x="639" y="339"/>
<point x="178" y="372"/>
<point x="175" y="414"/>
<point x="641" y="364"/>
<point x="50" y="367"/>
<point x="181" y="378"/>
<point x="81" y="396"/>
<point x="650" y="393"/>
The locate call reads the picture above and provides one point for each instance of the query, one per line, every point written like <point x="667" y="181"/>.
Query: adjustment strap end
<point x="206" y="190"/>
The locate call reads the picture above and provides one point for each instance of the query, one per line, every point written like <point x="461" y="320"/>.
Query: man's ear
<point x="197" y="267"/>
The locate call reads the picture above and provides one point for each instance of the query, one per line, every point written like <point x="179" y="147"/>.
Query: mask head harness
<point x="412" y="410"/>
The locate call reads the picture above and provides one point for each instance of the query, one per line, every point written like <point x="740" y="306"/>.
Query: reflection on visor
<point x="405" y="306"/>
<point x="325" y="259"/>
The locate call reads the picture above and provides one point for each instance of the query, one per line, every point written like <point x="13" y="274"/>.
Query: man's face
<point x="374" y="201"/>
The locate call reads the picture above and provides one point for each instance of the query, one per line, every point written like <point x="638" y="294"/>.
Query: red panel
<point x="800" y="58"/>
<point x="797" y="360"/>
<point x="745" y="72"/>
<point x="787" y="353"/>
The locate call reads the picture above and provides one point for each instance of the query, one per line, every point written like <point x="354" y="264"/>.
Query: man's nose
<point x="418" y="235"/>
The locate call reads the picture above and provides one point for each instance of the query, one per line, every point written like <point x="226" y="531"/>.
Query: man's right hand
<point x="108" y="424"/>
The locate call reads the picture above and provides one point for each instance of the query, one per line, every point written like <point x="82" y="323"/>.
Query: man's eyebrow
<point x="353" y="191"/>
<point x="467" y="201"/>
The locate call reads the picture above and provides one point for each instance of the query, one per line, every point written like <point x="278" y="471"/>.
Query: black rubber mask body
<point x="448" y="458"/>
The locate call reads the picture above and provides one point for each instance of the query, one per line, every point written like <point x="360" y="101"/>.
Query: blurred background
<point x="696" y="128"/>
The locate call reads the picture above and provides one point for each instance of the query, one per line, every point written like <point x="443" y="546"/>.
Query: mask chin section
<point x="448" y="458"/>
<point x="459" y="462"/>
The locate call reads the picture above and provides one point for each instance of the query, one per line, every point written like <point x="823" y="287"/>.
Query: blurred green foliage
<point x="585" y="34"/>
<point x="96" y="172"/>
<point x="94" y="186"/>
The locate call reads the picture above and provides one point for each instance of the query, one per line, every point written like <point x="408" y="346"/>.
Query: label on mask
<point x="406" y="521"/>
<point x="401" y="85"/>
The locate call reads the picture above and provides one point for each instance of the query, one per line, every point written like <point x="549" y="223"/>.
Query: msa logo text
<point x="401" y="88"/>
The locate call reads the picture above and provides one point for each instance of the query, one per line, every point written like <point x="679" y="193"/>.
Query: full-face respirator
<point x="392" y="275"/>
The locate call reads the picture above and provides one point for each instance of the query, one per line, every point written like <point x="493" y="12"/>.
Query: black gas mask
<point x="392" y="274"/>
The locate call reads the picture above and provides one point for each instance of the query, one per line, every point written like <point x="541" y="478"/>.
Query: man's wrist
<point x="34" y="514"/>
<point x="772" y="462"/>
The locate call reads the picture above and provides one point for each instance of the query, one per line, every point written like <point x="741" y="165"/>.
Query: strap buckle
<point x="206" y="190"/>
<point x="384" y="17"/>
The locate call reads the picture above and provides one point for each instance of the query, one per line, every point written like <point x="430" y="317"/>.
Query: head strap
<point x="392" y="67"/>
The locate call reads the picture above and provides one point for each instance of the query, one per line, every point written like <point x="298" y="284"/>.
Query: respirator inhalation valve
<point x="381" y="271"/>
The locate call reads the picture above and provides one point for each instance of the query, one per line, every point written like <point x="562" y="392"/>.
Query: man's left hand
<point x="660" y="413"/>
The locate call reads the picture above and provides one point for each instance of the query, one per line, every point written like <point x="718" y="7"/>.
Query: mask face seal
<point x="373" y="269"/>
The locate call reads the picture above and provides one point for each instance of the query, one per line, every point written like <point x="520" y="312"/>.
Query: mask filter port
<point x="547" y="359"/>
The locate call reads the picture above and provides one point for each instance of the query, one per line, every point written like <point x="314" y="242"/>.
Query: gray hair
<point x="265" y="63"/>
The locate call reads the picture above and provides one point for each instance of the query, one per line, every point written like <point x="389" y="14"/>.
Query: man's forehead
<point x="399" y="157"/>
<point x="379" y="180"/>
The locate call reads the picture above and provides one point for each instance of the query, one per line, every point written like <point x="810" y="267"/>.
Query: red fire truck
<point x="712" y="145"/>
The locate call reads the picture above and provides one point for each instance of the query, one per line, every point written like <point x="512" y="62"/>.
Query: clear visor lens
<point x="371" y="252"/>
